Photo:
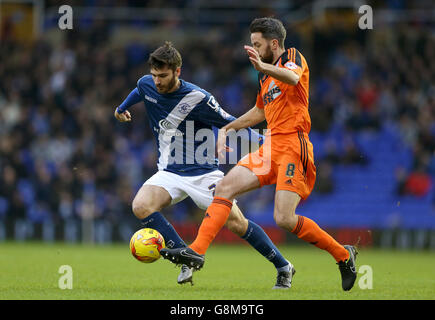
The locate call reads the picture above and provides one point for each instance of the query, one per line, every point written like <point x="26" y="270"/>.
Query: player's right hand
<point x="123" y="117"/>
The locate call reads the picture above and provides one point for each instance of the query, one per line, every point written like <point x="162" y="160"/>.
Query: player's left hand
<point x="222" y="147"/>
<point x="255" y="59"/>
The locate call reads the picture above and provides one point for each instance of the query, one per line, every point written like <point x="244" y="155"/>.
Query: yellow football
<point x="145" y="245"/>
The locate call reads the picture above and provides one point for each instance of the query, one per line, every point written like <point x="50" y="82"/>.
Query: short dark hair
<point x="165" y="55"/>
<point x="270" y="28"/>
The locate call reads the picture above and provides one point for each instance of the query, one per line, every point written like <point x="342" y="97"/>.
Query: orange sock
<point x="307" y="230"/>
<point x="215" y="217"/>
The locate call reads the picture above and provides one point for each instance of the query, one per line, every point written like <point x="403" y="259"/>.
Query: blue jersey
<point x="182" y="123"/>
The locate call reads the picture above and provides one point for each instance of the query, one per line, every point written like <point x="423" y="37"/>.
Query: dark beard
<point x="169" y="87"/>
<point x="268" y="58"/>
<point x="172" y="84"/>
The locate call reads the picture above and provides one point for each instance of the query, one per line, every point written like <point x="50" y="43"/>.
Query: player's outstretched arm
<point x="211" y="113"/>
<point x="121" y="112"/>
<point x="249" y="119"/>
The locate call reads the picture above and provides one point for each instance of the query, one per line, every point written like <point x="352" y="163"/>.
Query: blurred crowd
<point x="384" y="80"/>
<point x="63" y="156"/>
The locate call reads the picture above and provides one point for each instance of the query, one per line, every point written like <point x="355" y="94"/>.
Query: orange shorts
<point x="287" y="161"/>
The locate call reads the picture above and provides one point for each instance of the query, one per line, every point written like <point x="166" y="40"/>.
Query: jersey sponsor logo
<point x="273" y="92"/>
<point x="291" y="65"/>
<point x="150" y="99"/>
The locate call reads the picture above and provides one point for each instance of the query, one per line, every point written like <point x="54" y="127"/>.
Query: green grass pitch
<point x="30" y="271"/>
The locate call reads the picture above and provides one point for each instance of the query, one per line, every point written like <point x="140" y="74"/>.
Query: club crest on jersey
<point x="184" y="108"/>
<point x="273" y="92"/>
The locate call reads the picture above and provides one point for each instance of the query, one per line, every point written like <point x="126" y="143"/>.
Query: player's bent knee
<point x="142" y="210"/>
<point x="286" y="221"/>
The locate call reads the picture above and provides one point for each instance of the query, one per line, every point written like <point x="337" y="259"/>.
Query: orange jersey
<point x="286" y="106"/>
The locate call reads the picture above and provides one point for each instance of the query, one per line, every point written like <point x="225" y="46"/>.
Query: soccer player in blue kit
<point x="176" y="108"/>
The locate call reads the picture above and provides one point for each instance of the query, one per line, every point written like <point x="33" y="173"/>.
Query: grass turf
<point x="30" y="271"/>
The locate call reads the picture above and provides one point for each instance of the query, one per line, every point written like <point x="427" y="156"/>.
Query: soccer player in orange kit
<point x="285" y="159"/>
